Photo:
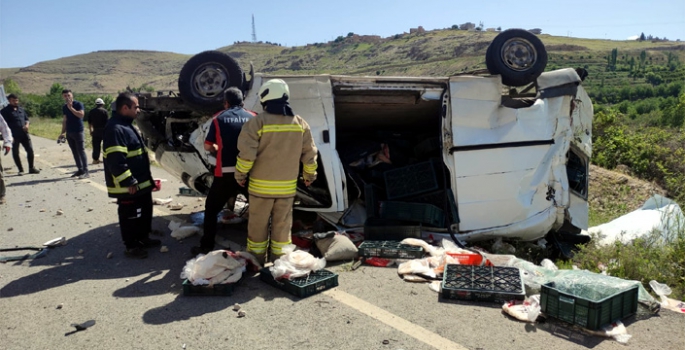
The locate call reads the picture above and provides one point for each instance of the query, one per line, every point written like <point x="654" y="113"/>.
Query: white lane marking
<point x="394" y="321"/>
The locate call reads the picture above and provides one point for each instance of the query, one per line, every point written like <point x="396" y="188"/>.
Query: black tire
<point x="204" y="78"/>
<point x="518" y="56"/>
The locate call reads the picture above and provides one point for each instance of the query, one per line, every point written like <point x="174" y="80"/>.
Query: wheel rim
<point x="518" y="54"/>
<point x="210" y="80"/>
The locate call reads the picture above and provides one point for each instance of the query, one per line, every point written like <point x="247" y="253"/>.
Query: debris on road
<point x="59" y="306"/>
<point x="241" y="313"/>
<point x="164" y="249"/>
<point x="59" y="212"/>
<point x="236" y="307"/>
<point x="80" y="251"/>
<point x="161" y="201"/>
<point x="109" y="255"/>
<point x="180" y="232"/>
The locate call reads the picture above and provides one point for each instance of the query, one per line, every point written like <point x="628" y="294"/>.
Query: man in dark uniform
<point x="128" y="177"/>
<point x="18" y="121"/>
<point x="221" y="141"/>
<point x="97" y="119"/>
<point x="72" y="126"/>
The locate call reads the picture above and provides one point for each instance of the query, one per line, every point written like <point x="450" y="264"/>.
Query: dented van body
<point x="515" y="163"/>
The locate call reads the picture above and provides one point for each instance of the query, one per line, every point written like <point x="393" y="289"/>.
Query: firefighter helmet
<point x="274" y="89"/>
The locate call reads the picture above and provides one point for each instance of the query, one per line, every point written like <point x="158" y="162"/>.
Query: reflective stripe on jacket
<point x="125" y="158"/>
<point x="271" y="148"/>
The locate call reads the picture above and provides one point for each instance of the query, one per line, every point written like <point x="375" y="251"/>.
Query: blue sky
<point x="32" y="31"/>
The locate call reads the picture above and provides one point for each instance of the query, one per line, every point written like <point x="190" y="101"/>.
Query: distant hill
<point x="433" y="53"/>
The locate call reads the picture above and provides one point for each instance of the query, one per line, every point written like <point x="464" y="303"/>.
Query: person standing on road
<point x="271" y="147"/>
<point x="128" y="177"/>
<point x="18" y="122"/>
<point x="221" y="141"/>
<point x="72" y="125"/>
<point x="7" y="145"/>
<point x="97" y="119"/>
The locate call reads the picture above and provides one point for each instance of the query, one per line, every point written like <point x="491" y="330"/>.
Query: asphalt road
<point x="138" y="304"/>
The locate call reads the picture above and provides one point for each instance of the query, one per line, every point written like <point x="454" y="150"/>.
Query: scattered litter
<point x="183" y="346"/>
<point x="42" y="210"/>
<point x="435" y="286"/>
<point x="127" y="280"/>
<point x="80" y="327"/>
<point x="89" y="209"/>
<point x="59" y="306"/>
<point x="386" y="342"/>
<point x="236" y="307"/>
<point x="218" y="267"/>
<point x="161" y="201"/>
<point x="177" y="206"/>
<point x="524" y="310"/>
<point x="615" y="330"/>
<point x="295" y="263"/>
<point x="164" y="249"/>
<point x="658" y="214"/>
<point x="180" y="232"/>
<point x="59" y="212"/>
<point x="109" y="255"/>
<point x="662" y="290"/>
<point x="241" y="313"/>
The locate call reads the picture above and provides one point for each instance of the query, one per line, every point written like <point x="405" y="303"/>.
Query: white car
<point x="503" y="153"/>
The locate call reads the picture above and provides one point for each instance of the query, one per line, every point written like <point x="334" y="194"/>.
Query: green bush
<point x="644" y="259"/>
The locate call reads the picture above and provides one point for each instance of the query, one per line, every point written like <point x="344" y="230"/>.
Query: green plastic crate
<point x="185" y="191"/>
<point x="302" y="287"/>
<point x="390" y="250"/>
<point x="376" y="229"/>
<point x="410" y="180"/>
<point x="225" y="289"/>
<point x="590" y="314"/>
<point x="415" y="212"/>
<point x="482" y="283"/>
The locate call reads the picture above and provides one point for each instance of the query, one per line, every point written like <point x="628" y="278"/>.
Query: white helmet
<point x="274" y="89"/>
<point x="99" y="101"/>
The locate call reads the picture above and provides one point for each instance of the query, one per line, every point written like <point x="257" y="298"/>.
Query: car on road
<point x="498" y="153"/>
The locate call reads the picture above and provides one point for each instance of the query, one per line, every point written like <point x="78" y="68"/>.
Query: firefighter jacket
<point x="271" y="148"/>
<point x="125" y="158"/>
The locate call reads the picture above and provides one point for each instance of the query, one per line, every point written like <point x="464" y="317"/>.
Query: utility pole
<point x="254" y="31"/>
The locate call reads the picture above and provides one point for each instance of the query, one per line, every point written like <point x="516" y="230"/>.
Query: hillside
<point x="434" y="53"/>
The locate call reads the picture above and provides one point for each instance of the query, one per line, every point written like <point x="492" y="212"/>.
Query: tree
<point x="350" y="34"/>
<point x="642" y="37"/>
<point x="52" y="104"/>
<point x="11" y="86"/>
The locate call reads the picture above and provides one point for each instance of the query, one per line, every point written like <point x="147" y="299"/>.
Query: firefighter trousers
<point x="280" y="211"/>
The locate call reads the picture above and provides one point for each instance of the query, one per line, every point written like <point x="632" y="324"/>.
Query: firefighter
<point x="128" y="177"/>
<point x="271" y="147"/>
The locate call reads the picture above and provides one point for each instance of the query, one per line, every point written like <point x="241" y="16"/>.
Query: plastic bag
<point x="662" y="290"/>
<point x="615" y="330"/>
<point x="180" y="232"/>
<point x="295" y="263"/>
<point x="525" y="310"/>
<point x="211" y="268"/>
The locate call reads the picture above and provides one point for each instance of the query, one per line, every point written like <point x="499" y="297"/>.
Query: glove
<point x="7" y="149"/>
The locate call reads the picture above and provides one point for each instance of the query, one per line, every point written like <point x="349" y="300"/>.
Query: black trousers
<point x="97" y="142"/>
<point x="135" y="219"/>
<point x="77" y="143"/>
<point x="22" y="138"/>
<point x="222" y="189"/>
